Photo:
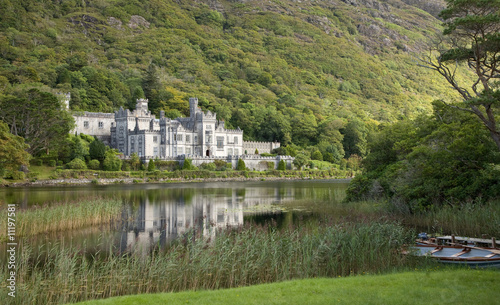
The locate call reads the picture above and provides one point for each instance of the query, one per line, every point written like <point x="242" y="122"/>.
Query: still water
<point x="154" y="215"/>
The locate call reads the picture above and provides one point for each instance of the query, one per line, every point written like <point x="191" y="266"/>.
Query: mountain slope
<point x="281" y="70"/>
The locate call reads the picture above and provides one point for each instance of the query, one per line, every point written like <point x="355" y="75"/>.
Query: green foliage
<point x="12" y="150"/>
<point x="256" y="151"/>
<point x="300" y="160"/>
<point x="241" y="165"/>
<point x="317" y="155"/>
<point x="17" y="175"/>
<point x="79" y="149"/>
<point x="445" y="158"/>
<point x="97" y="150"/>
<point x="111" y="161"/>
<point x="475" y="40"/>
<point x="282" y="165"/>
<point x="94" y="164"/>
<point x="188" y="164"/>
<point x="37" y="116"/>
<point x="151" y="166"/>
<point x="76" y="163"/>
<point x="208" y="166"/>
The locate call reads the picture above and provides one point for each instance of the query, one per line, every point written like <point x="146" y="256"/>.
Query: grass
<point x="422" y="287"/>
<point x="234" y="258"/>
<point x="63" y="216"/>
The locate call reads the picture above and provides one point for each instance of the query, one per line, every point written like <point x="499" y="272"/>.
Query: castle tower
<point x="142" y="106"/>
<point x="193" y="105"/>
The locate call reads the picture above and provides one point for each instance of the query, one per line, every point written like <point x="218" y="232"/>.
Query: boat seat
<point x="466" y="250"/>
<point x="436" y="250"/>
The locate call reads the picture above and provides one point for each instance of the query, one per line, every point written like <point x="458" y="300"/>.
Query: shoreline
<point x="110" y="181"/>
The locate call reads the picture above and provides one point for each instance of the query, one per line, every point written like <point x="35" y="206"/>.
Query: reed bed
<point x="470" y="219"/>
<point x="239" y="257"/>
<point x="64" y="216"/>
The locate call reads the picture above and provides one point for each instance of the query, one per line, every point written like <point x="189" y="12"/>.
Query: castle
<point x="139" y="131"/>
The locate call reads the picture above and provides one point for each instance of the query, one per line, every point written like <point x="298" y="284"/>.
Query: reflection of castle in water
<point x="162" y="221"/>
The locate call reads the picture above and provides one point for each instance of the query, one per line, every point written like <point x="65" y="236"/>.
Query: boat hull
<point x="472" y="256"/>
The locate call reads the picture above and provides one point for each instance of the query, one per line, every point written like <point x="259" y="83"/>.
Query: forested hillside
<point x="306" y="73"/>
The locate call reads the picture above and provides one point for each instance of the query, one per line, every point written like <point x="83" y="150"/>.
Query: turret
<point x="193" y="105"/>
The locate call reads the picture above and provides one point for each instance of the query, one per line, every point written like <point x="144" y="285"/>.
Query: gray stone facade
<point x="198" y="136"/>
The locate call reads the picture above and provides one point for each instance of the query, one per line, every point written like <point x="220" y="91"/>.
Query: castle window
<point x="188" y="151"/>
<point x="101" y="125"/>
<point x="155" y="139"/>
<point x="86" y="124"/>
<point x="195" y="139"/>
<point x="235" y="140"/>
<point x="155" y="151"/>
<point x="220" y="142"/>
<point x="236" y="152"/>
<point x="230" y="151"/>
<point x="188" y="139"/>
<point x="179" y="138"/>
<point x="181" y="151"/>
<point x="132" y="144"/>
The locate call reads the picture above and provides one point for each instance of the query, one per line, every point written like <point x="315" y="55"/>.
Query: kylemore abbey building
<point x="200" y="136"/>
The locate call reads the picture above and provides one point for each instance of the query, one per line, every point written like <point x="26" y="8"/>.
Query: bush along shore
<point x="239" y="257"/>
<point x="58" y="177"/>
<point x="64" y="216"/>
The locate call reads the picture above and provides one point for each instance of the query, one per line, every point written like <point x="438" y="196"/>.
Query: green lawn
<point x="420" y="287"/>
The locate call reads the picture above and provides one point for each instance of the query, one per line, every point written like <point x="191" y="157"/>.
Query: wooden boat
<point x="475" y="252"/>
<point x="475" y="257"/>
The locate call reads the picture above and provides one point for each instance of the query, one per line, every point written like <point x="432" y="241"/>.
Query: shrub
<point x="267" y="155"/>
<point x="317" y="155"/>
<point x="151" y="166"/>
<point x="18" y="175"/>
<point x="256" y="151"/>
<point x="52" y="163"/>
<point x="208" y="166"/>
<point x="94" y="164"/>
<point x="282" y="165"/>
<point x="241" y="165"/>
<point x="111" y="161"/>
<point x="76" y="163"/>
<point x="187" y="165"/>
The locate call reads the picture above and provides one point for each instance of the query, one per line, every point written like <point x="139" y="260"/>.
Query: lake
<point x="155" y="215"/>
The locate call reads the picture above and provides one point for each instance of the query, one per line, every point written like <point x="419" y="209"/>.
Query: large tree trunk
<point x="496" y="137"/>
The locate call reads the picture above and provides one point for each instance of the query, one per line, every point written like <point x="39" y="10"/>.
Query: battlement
<point x="101" y="115"/>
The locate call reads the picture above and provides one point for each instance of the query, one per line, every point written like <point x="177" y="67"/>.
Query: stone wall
<point x="262" y="147"/>
<point x="94" y="124"/>
<point x="253" y="162"/>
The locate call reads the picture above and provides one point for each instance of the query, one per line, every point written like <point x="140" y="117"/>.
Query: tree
<point x="300" y="160"/>
<point x="188" y="164"/>
<point x="38" y="117"/>
<point x="97" y="150"/>
<point x="355" y="134"/>
<point x="12" y="150"/>
<point x="473" y="27"/>
<point x="151" y="166"/>
<point x="111" y="161"/>
<point x="282" y="165"/>
<point x="241" y="165"/>
<point x="135" y="162"/>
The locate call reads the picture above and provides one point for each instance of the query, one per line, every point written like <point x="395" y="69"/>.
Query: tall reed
<point x="244" y="256"/>
<point x="469" y="219"/>
<point x="64" y="216"/>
